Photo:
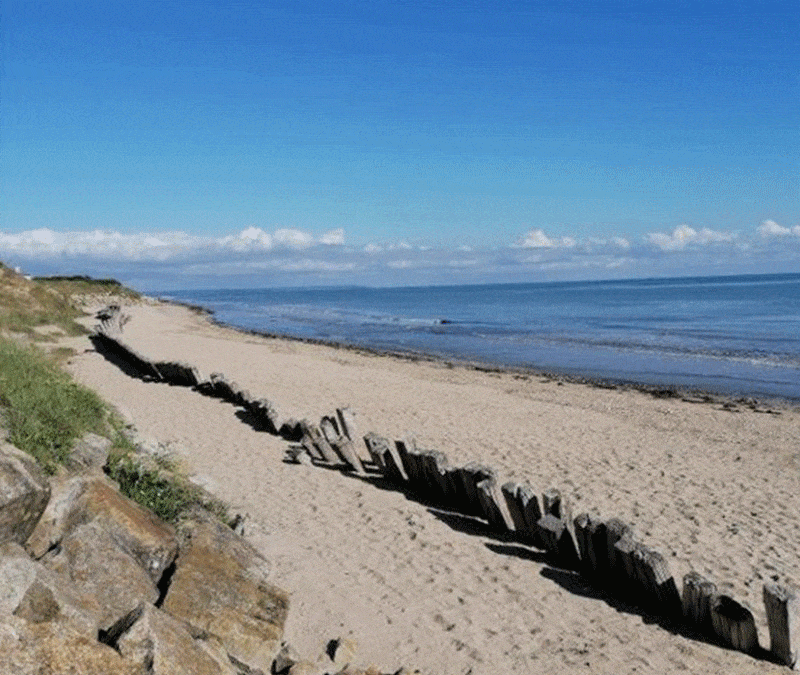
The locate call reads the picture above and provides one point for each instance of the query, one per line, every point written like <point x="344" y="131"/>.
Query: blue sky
<point x="229" y="144"/>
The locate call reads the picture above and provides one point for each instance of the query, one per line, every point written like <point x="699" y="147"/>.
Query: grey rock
<point x="24" y="493"/>
<point x="95" y="564"/>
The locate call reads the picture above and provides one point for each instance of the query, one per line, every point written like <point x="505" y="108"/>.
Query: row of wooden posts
<point x="605" y="552"/>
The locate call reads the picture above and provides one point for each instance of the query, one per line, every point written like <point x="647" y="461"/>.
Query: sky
<point x="221" y="144"/>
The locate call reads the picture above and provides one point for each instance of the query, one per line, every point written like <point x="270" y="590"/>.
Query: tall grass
<point x="45" y="410"/>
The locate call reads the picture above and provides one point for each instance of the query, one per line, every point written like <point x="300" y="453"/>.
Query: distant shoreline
<point x="664" y="391"/>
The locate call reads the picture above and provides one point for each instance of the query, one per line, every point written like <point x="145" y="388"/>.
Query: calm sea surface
<point x="733" y="335"/>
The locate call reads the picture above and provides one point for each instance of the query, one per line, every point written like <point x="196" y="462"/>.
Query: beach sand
<point x="715" y="488"/>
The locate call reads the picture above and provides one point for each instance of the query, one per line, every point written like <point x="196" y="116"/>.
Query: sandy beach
<point x="715" y="487"/>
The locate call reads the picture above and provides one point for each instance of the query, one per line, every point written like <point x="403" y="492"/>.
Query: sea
<point x="731" y="335"/>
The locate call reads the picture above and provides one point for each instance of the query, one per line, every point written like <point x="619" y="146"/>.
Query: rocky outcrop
<point x="49" y="647"/>
<point x="87" y="587"/>
<point x="82" y="500"/>
<point x="24" y="493"/>
<point x="220" y="588"/>
<point x="162" y="645"/>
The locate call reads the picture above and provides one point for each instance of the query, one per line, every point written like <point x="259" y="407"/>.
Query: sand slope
<point x="717" y="491"/>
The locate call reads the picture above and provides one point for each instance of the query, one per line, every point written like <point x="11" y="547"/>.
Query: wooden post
<point x="783" y="616"/>
<point x="330" y="429"/>
<point x="290" y="430"/>
<point x="346" y="448"/>
<point x="734" y="624"/>
<point x="553" y="503"/>
<point x="615" y="530"/>
<point x="406" y="451"/>
<point x="510" y="493"/>
<point x="625" y="581"/>
<point x="434" y="464"/>
<point x="347" y="422"/>
<point x="472" y="474"/>
<point x="307" y="441"/>
<point x="583" y="537"/>
<point x="376" y="446"/>
<point x="529" y="505"/>
<point x="697" y="594"/>
<point x="661" y="592"/>
<point x="386" y="457"/>
<point x="492" y="509"/>
<point x="558" y="541"/>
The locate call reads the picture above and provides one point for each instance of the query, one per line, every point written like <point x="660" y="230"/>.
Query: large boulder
<point x="164" y="646"/>
<point x="92" y="560"/>
<point x="90" y="453"/>
<point x="52" y="647"/>
<point x="94" y="499"/>
<point x="220" y="588"/>
<point x="32" y="592"/>
<point x="24" y="493"/>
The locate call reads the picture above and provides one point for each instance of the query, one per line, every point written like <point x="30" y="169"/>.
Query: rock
<point x="219" y="587"/>
<point x="96" y="564"/>
<point x="32" y="592"/>
<point x="134" y="528"/>
<point x="55" y="648"/>
<point x="90" y="453"/>
<point x="52" y="525"/>
<point x="163" y="646"/>
<point x="24" y="493"/>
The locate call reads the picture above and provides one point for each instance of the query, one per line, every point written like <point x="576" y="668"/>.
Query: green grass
<point x="160" y="488"/>
<point x="164" y="495"/>
<point x="46" y="411"/>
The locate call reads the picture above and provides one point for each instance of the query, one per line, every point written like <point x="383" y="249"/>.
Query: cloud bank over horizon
<point x="286" y="256"/>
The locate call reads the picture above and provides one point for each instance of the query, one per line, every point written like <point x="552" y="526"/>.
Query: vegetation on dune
<point x="44" y="411"/>
<point x="49" y="301"/>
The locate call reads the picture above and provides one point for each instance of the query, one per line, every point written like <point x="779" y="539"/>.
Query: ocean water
<point x="732" y="335"/>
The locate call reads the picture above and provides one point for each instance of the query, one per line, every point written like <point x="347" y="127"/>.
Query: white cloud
<point x="538" y="239"/>
<point x="683" y="235"/>
<point x="296" y="240"/>
<point x="373" y="248"/>
<point x="44" y="243"/>
<point x="621" y="242"/>
<point x="333" y="238"/>
<point x="769" y="228"/>
<point x="250" y="239"/>
<point x="98" y="244"/>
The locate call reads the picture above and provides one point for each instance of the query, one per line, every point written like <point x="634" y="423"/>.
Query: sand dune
<point x="717" y="490"/>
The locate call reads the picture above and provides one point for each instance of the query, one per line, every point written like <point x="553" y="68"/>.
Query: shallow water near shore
<point x="731" y="335"/>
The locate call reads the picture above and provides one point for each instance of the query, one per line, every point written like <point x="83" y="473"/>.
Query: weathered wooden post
<point x="734" y="624"/>
<point x="492" y="509"/>
<point x="384" y="454"/>
<point x="558" y="541"/>
<point x="697" y="595"/>
<point x="783" y="616"/>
